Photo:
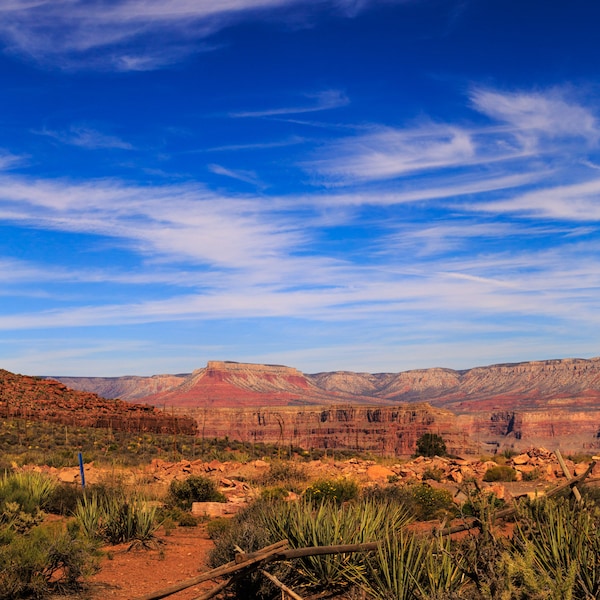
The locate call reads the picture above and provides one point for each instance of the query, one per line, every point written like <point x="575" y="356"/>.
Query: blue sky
<point x="370" y="185"/>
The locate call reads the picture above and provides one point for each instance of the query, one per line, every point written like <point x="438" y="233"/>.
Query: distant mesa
<point x="553" y="403"/>
<point x="570" y="381"/>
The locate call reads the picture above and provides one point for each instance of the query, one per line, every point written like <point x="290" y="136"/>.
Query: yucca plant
<point x="565" y="542"/>
<point x="116" y="518"/>
<point x="442" y="573"/>
<point x="306" y="524"/>
<point x="29" y="489"/>
<point x="395" y="570"/>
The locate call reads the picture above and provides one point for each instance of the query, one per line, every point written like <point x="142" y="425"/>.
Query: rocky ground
<point x="182" y="553"/>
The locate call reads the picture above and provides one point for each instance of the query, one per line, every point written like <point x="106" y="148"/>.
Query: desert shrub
<point x="430" y="503"/>
<point x="29" y="489"/>
<point x="116" y="518"/>
<point x="435" y="474"/>
<point x="307" y="523"/>
<point x="274" y="493"/>
<point x="285" y="474"/>
<point x="500" y="473"/>
<point x="431" y="444"/>
<point x="337" y="490"/>
<point x="421" y="501"/>
<point x="532" y="475"/>
<point x="194" y="488"/>
<point x="186" y="519"/>
<point x="217" y="528"/>
<point x="47" y="559"/>
<point x="64" y="498"/>
<point x="246" y="532"/>
<point x="591" y="494"/>
<point x="561" y="539"/>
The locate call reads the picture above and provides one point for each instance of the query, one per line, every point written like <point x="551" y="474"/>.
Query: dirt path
<point x="128" y="574"/>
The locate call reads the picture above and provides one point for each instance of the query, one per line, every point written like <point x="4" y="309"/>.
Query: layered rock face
<point x="564" y="382"/>
<point x="49" y="400"/>
<point x="555" y="403"/>
<point x="381" y="430"/>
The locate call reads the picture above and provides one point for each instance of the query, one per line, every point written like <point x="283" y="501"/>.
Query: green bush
<point x="285" y="474"/>
<point x="431" y="444"/>
<point x="217" y="528"/>
<point x="338" y="490"/>
<point x="195" y="488"/>
<point x="430" y="503"/>
<point x="29" y="489"/>
<point x="64" y="498"/>
<point x="434" y="474"/>
<point x="47" y="559"/>
<point x="500" y="473"/>
<point x="421" y="500"/>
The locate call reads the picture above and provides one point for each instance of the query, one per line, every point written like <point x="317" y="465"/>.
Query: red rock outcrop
<point x="49" y="400"/>
<point x="383" y="430"/>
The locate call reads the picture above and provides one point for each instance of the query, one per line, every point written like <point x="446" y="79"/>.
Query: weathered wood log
<point x="321" y="550"/>
<point x="565" y="470"/>
<point x="256" y="558"/>
<point x="216" y="590"/>
<point x="291" y="593"/>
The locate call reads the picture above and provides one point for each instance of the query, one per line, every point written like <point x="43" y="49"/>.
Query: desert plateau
<point x="164" y="487"/>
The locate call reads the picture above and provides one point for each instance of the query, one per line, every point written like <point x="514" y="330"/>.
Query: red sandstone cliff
<point x="553" y="403"/>
<point x="50" y="400"/>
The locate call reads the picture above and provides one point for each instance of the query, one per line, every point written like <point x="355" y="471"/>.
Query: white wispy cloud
<point x="86" y="137"/>
<point x="547" y="114"/>
<point x="526" y="130"/>
<point x="324" y="100"/>
<point x="239" y="174"/>
<point x="134" y="35"/>
<point x="574" y="202"/>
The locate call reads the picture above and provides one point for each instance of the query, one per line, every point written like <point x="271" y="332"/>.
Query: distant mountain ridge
<point x="531" y="385"/>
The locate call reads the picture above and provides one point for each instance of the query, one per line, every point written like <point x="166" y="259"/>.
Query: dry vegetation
<point x="552" y="551"/>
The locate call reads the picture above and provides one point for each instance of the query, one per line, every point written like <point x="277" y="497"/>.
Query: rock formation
<point x="49" y="400"/>
<point x="555" y="403"/>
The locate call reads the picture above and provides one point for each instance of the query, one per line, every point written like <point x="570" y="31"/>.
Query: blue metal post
<point x="81" y="472"/>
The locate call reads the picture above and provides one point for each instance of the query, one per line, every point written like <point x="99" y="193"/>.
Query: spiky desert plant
<point x="442" y="572"/>
<point x="117" y="518"/>
<point x="30" y="489"/>
<point x="305" y="523"/>
<point x="565" y="542"/>
<point x="395" y="570"/>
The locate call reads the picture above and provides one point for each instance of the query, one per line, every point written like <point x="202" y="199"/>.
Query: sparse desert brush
<point x="195" y="488"/>
<point x="288" y="474"/>
<point x="500" y="473"/>
<point x="47" y="559"/>
<point x="116" y="518"/>
<point x="421" y="500"/>
<point x="338" y="490"/>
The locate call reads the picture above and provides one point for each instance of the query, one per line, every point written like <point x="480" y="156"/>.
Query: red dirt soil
<point x="127" y="574"/>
